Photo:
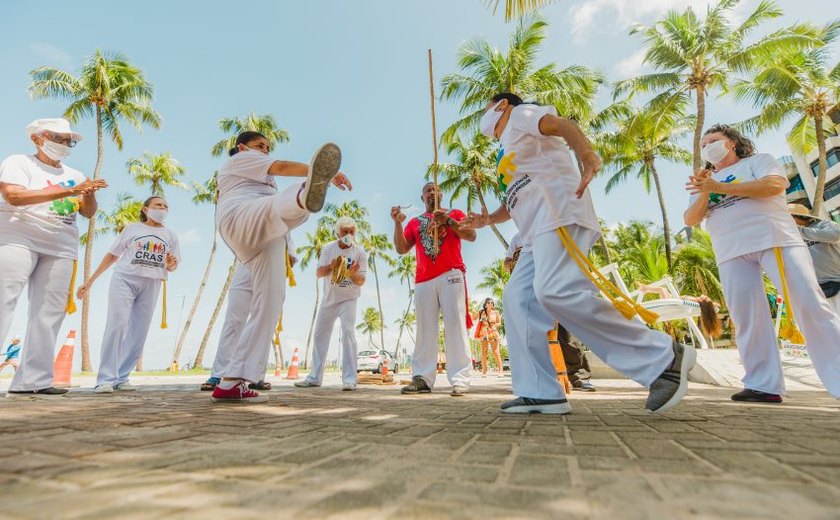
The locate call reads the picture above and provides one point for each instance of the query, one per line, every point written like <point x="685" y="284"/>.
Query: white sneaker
<point x="349" y="387"/>
<point x="306" y="384"/>
<point x="104" y="388"/>
<point x="125" y="387"/>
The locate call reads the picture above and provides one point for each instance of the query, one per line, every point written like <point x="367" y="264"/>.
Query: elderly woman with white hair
<point x="343" y="265"/>
<point x="39" y="245"/>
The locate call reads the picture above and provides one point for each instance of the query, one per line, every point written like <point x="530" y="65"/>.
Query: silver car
<point x="372" y="360"/>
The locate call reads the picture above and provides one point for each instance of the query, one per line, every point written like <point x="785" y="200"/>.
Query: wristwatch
<point x="451" y="222"/>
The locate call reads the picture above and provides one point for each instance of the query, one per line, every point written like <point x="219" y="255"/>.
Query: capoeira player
<point x="343" y="265"/>
<point x="440" y="285"/>
<point x="546" y="196"/>
<point x="145" y="253"/>
<point x="238" y="307"/>
<point x="39" y="244"/>
<point x="253" y="219"/>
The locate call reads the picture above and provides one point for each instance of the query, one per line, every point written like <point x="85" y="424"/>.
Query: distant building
<point x="802" y="171"/>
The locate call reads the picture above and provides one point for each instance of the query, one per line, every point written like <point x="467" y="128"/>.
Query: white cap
<point x="56" y="125"/>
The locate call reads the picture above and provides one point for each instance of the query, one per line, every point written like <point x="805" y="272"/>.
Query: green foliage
<point x="157" y="171"/>
<point x="233" y="126"/>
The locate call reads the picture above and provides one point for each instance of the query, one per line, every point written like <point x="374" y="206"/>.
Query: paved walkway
<point x="167" y="452"/>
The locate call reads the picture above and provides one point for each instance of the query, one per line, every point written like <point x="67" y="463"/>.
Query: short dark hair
<point x="244" y="138"/>
<point x="744" y="147"/>
<point x="143" y="217"/>
<point x="511" y="98"/>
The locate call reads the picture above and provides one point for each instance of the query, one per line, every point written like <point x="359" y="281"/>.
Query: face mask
<point x="255" y="150"/>
<point x="488" y="121"/>
<point x="158" y="215"/>
<point x="55" y="151"/>
<point x="347" y="240"/>
<point x="714" y="152"/>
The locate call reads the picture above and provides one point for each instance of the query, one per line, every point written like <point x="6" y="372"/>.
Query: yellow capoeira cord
<point x="70" y="308"/>
<point x="622" y="302"/>
<point x="790" y="331"/>
<point x="163" y="324"/>
<point x="290" y="275"/>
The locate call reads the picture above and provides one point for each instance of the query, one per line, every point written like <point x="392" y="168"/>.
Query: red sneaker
<point x="238" y="394"/>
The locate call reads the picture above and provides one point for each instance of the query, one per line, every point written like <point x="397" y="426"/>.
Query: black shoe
<point x="418" y="385"/>
<point x="754" y="396"/>
<point x="43" y="391"/>
<point x="583" y="386"/>
<point x="260" y="385"/>
<point x="671" y="386"/>
<point x="531" y="405"/>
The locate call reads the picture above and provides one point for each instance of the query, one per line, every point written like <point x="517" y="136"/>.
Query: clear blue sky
<point x="328" y="70"/>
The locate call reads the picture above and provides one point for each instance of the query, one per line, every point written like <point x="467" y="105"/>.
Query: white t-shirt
<point x="244" y="177"/>
<point x="346" y="289"/>
<point x="539" y="177"/>
<point x="740" y="225"/>
<point x="516" y="243"/>
<point x="142" y="250"/>
<point x="49" y="227"/>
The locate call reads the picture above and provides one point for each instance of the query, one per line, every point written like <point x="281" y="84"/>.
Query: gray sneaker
<point x="459" y="391"/>
<point x="125" y="387"/>
<point x="324" y="166"/>
<point x="670" y="387"/>
<point x="418" y="385"/>
<point x="531" y="405"/>
<point x="306" y="384"/>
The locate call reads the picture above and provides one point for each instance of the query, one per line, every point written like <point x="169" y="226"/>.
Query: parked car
<point x="373" y="360"/>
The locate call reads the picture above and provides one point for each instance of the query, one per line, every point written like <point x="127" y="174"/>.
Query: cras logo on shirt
<point x="505" y="167"/>
<point x="150" y="251"/>
<point x="65" y="208"/>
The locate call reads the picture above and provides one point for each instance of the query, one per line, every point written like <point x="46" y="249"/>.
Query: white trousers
<point x="755" y="335"/>
<point x="834" y="301"/>
<point x="256" y="233"/>
<point x="642" y="354"/>
<point x="131" y="305"/>
<point x="48" y="281"/>
<point x="445" y="293"/>
<point x="236" y="314"/>
<point x="345" y="312"/>
<point x="526" y="326"/>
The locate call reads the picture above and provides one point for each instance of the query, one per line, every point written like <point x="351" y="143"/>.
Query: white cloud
<point x="630" y="66"/>
<point x="53" y="56"/>
<point x="190" y="236"/>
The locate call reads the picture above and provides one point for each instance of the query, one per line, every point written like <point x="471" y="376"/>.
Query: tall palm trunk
<point x="191" y="315"/>
<point x="823" y="165"/>
<point x="279" y="362"/>
<point x="91" y="233"/>
<point x="199" y="357"/>
<point x="698" y="127"/>
<point x="378" y="301"/>
<point x="665" y="225"/>
<point x="492" y="226"/>
<point x="402" y="324"/>
<point x="312" y="322"/>
<point x="139" y="367"/>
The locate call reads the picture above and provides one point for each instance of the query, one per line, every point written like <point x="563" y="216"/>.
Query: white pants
<point x="256" y="233"/>
<point x="743" y="288"/>
<point x="526" y="326"/>
<point x="236" y="314"/>
<point x="573" y="300"/>
<point x="330" y="311"/>
<point x="834" y="301"/>
<point x="445" y="293"/>
<point x="131" y="305"/>
<point x="48" y="280"/>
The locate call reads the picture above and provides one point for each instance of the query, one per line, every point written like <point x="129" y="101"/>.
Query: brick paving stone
<point x="167" y="452"/>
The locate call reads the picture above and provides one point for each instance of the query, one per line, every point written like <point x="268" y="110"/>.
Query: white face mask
<point x="347" y="239"/>
<point x="714" y="152"/>
<point x="55" y="151"/>
<point x="487" y="124"/>
<point x="158" y="215"/>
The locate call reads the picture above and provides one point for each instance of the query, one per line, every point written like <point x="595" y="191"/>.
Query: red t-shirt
<point x="449" y="250"/>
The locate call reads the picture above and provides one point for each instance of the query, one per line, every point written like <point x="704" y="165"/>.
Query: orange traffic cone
<point x="385" y="373"/>
<point x="293" y="367"/>
<point x="64" y="361"/>
<point x="557" y="359"/>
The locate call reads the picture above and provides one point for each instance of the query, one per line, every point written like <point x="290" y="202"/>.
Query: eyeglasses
<point x="60" y="139"/>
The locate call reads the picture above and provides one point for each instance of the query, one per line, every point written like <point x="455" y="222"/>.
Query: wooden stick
<point x="434" y="143"/>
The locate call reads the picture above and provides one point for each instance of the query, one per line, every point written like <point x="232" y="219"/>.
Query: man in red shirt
<point x="440" y="285"/>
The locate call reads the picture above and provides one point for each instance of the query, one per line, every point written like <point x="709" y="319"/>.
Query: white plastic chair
<point x="668" y="309"/>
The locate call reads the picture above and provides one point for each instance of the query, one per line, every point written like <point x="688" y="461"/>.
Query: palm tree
<point x="517" y="8"/>
<point x="126" y="211"/>
<point x="377" y="247"/>
<point x="641" y="136"/>
<point x="472" y="175"/>
<point x="407" y="322"/>
<point x="352" y="209"/>
<point x="486" y="71"/>
<point x="310" y="253"/>
<point x="202" y="347"/>
<point x="111" y="90"/>
<point x="693" y="56"/>
<point x="405" y="270"/>
<point x="233" y="126"/>
<point x="371" y="322"/>
<point x="157" y="171"/>
<point x="495" y="279"/>
<point x="695" y="269"/>
<point x="264" y="124"/>
<point x="801" y="84"/>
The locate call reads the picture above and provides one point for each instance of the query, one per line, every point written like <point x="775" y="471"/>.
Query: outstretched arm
<point x="107" y="262"/>
<point x="577" y="141"/>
